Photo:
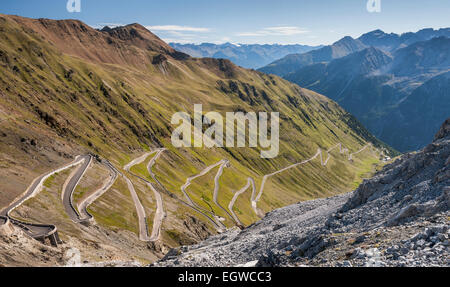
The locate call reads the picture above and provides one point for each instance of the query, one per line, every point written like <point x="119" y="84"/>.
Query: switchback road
<point x="69" y="188"/>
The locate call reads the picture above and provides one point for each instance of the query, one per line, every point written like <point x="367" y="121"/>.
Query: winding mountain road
<point x="159" y="214"/>
<point x="217" y="186"/>
<point x="250" y="182"/>
<point x="189" y="180"/>
<point x="69" y="188"/>
<point x="83" y="162"/>
<point x="36" y="230"/>
<point x="85" y="203"/>
<point x="138" y="160"/>
<point x="323" y="163"/>
<point x="142" y="217"/>
<point x="350" y="157"/>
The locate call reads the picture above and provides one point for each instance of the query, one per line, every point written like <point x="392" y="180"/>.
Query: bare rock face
<point x="197" y="228"/>
<point x="18" y="249"/>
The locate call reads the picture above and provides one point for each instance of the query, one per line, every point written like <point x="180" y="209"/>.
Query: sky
<point x="309" y="22"/>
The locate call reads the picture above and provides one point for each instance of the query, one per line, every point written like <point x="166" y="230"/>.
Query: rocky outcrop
<point x="444" y="131"/>
<point x="415" y="185"/>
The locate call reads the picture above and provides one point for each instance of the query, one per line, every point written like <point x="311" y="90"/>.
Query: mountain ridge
<point x="348" y="45"/>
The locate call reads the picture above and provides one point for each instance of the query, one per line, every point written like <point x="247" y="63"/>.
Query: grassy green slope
<point x="119" y="109"/>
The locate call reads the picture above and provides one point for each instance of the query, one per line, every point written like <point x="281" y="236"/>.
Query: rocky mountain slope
<point x="68" y="90"/>
<point x="17" y="249"/>
<point x="400" y="217"/>
<point x="248" y="56"/>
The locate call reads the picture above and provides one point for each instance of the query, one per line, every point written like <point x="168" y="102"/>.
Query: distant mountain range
<point x="396" y="85"/>
<point x="293" y="62"/>
<point x="248" y="56"/>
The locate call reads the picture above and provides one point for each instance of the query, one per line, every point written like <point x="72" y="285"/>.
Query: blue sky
<point x="247" y="21"/>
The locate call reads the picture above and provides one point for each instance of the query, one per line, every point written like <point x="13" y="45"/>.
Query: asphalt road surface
<point x="142" y="217"/>
<point x="84" y="204"/>
<point x="70" y="185"/>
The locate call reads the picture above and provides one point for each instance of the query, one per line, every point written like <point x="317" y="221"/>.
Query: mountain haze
<point x="245" y="55"/>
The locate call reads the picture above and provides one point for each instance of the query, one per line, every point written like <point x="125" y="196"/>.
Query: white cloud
<point x="173" y="28"/>
<point x="249" y="34"/>
<point x="286" y="30"/>
<point x="180" y="34"/>
<point x="171" y="33"/>
<point x="275" y="31"/>
<point x="177" y="40"/>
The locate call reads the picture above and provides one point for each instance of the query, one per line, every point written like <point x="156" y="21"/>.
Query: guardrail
<point x="52" y="234"/>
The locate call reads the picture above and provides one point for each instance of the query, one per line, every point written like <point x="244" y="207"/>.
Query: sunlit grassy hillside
<point x="67" y="89"/>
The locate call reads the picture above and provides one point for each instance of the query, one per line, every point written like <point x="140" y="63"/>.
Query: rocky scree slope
<point x="400" y="217"/>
